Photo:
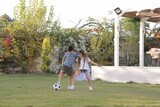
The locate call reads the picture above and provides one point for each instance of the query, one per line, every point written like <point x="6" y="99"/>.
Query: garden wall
<point x="127" y="74"/>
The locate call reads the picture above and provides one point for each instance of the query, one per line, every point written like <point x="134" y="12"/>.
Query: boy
<point x="67" y="63"/>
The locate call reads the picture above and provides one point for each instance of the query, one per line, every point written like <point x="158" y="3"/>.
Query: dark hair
<point x="83" y="53"/>
<point x="70" y="48"/>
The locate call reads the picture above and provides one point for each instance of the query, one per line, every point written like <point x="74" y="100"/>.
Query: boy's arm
<point x="63" y="59"/>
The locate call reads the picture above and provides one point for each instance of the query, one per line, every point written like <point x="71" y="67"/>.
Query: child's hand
<point x="97" y="65"/>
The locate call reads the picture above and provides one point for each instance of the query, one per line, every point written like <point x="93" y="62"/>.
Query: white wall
<point x="125" y="74"/>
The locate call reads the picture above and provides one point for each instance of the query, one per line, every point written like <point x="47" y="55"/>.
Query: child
<point x="83" y="66"/>
<point x="67" y="63"/>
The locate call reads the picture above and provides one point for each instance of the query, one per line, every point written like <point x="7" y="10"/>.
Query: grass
<point x="35" y="90"/>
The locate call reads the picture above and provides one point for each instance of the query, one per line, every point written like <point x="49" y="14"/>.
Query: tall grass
<point x="35" y="90"/>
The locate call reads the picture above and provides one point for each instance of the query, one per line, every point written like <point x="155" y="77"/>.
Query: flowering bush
<point x="152" y="42"/>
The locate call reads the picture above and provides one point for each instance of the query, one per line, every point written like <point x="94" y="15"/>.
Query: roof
<point x="152" y="14"/>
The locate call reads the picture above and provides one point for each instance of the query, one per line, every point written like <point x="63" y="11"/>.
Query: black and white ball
<point x="57" y="87"/>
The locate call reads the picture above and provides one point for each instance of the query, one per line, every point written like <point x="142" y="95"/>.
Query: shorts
<point x="83" y="70"/>
<point x="67" y="70"/>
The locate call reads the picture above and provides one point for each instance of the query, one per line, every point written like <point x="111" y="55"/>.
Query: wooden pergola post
<point x="141" y="42"/>
<point x="116" y="41"/>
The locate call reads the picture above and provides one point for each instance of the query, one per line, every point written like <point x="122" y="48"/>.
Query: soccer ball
<point x="57" y="87"/>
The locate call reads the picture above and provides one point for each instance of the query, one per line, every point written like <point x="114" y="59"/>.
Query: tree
<point x="46" y="48"/>
<point x="129" y="47"/>
<point x="4" y="20"/>
<point x="29" y="28"/>
<point x="99" y="40"/>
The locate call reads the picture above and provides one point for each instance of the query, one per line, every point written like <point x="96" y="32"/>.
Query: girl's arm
<point x="92" y="62"/>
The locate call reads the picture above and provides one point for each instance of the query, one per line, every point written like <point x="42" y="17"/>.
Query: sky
<point x="69" y="12"/>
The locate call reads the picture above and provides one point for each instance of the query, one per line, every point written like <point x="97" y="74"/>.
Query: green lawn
<point x="35" y="90"/>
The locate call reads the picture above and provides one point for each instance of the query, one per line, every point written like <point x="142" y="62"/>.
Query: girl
<point x="83" y="67"/>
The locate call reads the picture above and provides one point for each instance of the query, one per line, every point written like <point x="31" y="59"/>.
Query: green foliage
<point x="46" y="48"/>
<point x="29" y="29"/>
<point x="100" y="37"/>
<point x="95" y="36"/>
<point x="65" y="37"/>
<point x="4" y="20"/>
<point x="129" y="38"/>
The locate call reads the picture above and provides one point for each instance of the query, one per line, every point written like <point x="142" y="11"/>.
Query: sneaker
<point x="90" y="88"/>
<point x="72" y="87"/>
<point x="58" y="82"/>
<point x="68" y="88"/>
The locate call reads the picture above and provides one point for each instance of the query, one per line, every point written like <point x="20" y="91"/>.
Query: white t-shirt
<point x="84" y="64"/>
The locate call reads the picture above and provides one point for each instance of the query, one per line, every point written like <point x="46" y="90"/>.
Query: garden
<point x="34" y="41"/>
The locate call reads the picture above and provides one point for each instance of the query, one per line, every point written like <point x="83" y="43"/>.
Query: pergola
<point x="140" y="74"/>
<point x="151" y="15"/>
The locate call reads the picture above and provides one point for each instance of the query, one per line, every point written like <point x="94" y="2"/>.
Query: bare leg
<point x="88" y="78"/>
<point x="69" y="81"/>
<point x="74" y="76"/>
<point x="60" y="76"/>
